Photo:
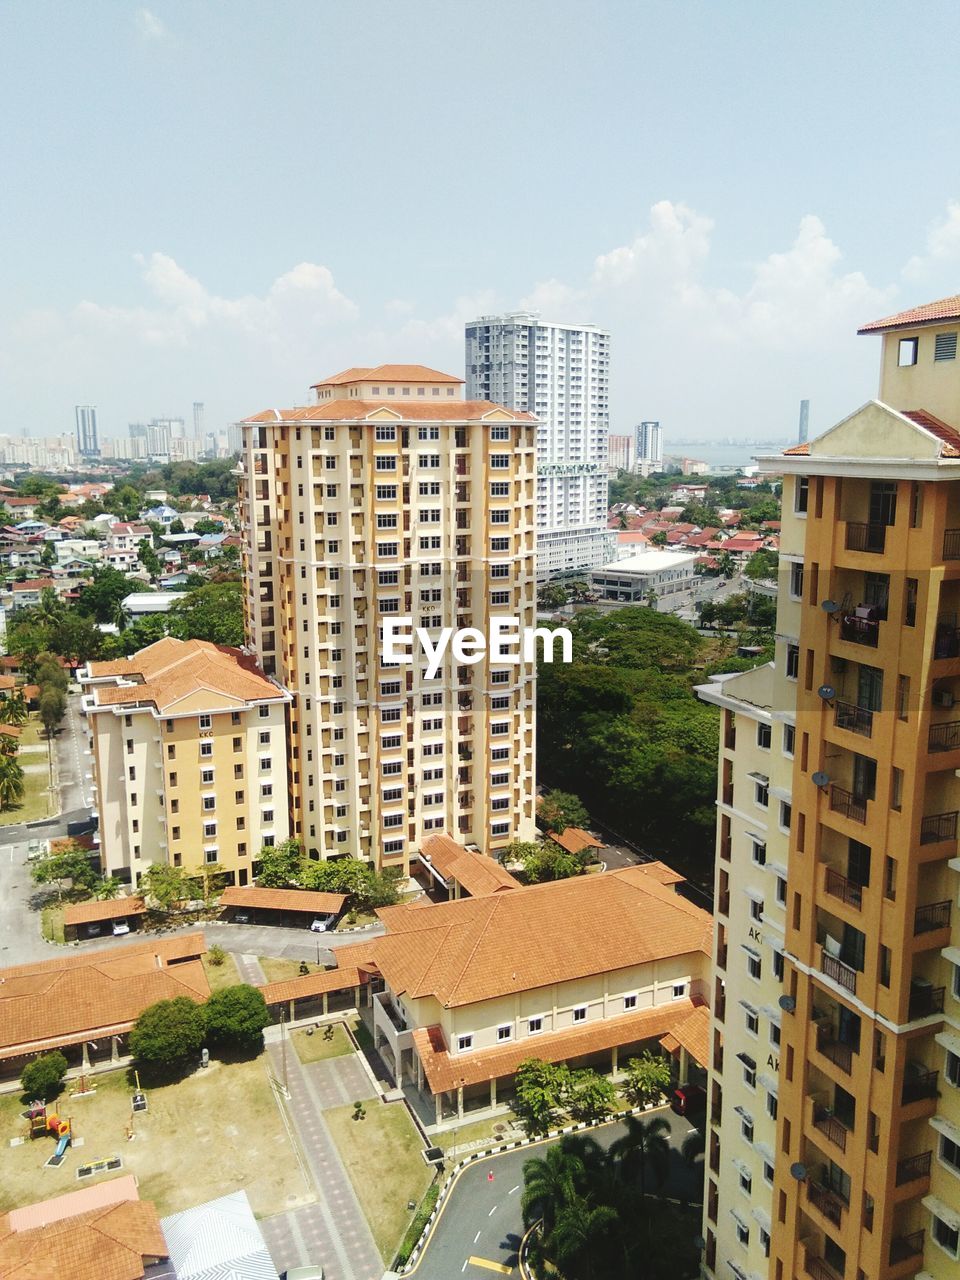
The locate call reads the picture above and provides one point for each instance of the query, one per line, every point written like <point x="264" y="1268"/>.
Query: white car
<point x="322" y="923"/>
<point x="120" y="927"/>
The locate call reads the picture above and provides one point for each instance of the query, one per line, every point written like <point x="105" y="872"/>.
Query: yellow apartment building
<point x="864" y="1183"/>
<point x="189" y="759"/>
<point x="391" y="497"/>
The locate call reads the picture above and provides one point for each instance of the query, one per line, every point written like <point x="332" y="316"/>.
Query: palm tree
<point x="694" y="1146"/>
<point x="550" y="1183"/>
<point x="643" y="1144"/>
<point x="11" y="781"/>
<point x="14" y="709"/>
<point x="581" y="1239"/>
<point x="50" y="610"/>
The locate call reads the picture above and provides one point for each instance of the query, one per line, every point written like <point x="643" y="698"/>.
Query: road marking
<point x="466" y="1263"/>
<point x="476" y="1237"/>
<point x="513" y="1189"/>
<point x="489" y="1266"/>
<point x="492" y="1212"/>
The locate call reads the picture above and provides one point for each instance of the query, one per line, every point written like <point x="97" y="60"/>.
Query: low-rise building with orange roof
<point x="189" y="759"/>
<point x="116" y="1241"/>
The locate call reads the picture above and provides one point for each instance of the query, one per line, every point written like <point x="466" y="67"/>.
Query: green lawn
<point x="31" y="732"/>
<point x="330" y="1041"/>
<point x="51" y="922"/>
<point x="221" y="975"/>
<point x="276" y="970"/>
<point x="382" y="1156"/>
<point x="480" y="1129"/>
<point x="36" y="797"/>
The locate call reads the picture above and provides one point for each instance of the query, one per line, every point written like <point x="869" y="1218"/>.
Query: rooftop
<point x="219" y="1240"/>
<point x="475" y="949"/>
<point x="402" y="411"/>
<point x="116" y="1242"/>
<point x="389" y="373"/>
<point x="103" y="909"/>
<point x="648" y="562"/>
<point x="308" y="900"/>
<point x="929" y="313"/>
<point x="475" y="872"/>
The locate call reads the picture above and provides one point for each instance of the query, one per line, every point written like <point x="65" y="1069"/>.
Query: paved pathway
<point x="250" y="969"/>
<point x="335" y="1226"/>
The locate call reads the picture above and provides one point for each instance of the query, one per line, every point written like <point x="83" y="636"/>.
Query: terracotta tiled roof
<point x="693" y="1034"/>
<point x="948" y="436"/>
<point x="312" y="984"/>
<point x="114" y="1243"/>
<point x="33" y="584"/>
<point x="425" y="410"/>
<point x="660" y="872"/>
<point x="475" y="872"/>
<point x="170" y="670"/>
<point x="389" y="373"/>
<point x="7" y="683"/>
<point x="308" y="900"/>
<point x="575" y="840"/>
<point x="99" y="1196"/>
<point x="929" y="313"/>
<point x="797" y="450"/>
<point x="10" y="731"/>
<point x="106" y="909"/>
<point x="476" y="949"/>
<point x="358" y="955"/>
<point x="446" y="1071"/>
<point x="76" y="997"/>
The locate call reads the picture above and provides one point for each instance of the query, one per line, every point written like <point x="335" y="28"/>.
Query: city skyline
<point x="172" y="282"/>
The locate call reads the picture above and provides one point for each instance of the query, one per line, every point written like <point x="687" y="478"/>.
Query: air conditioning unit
<point x="943" y="698"/>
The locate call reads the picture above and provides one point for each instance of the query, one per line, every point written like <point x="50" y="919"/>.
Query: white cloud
<point x="943" y="248"/>
<point x="150" y="26"/>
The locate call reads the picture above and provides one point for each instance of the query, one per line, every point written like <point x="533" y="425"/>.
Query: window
<point x="384" y="462"/>
<point x="499" y="828"/>
<point x="751" y="1020"/>
<point x="679" y="989"/>
<point x="629" y="1002"/>
<point x="499" y="517"/>
<point x="793" y="661"/>
<point x="761" y="793"/>
<point x="907" y="351"/>
<point x="386" y="492"/>
<point x="945" y="346"/>
<point x="205" y="722"/>
<point x="464" y="1043"/>
<point x="206" y="777"/>
<point x="951" y="1069"/>
<point x="801" y="494"/>
<point x="499" y="462"/>
<point x="393" y="820"/>
<point x="210" y="856"/>
<point x="209" y="802"/>
<point x="760" y="853"/>
<point x="789" y="739"/>
<point x="534" y="1025"/>
<point x="262" y="710"/>
<point x="580" y="1013"/>
<point x="385" y="432"/>
<point x="796" y="581"/>
<point x="786" y="814"/>
<point x="206" y="749"/>
<point x="746" y="1128"/>
<point x="754" y="963"/>
<point x="504" y="1033"/>
<point x="781" y="891"/>
<point x="947" y="1237"/>
<point x="743" y="1232"/>
<point x="764" y="736"/>
<point x="773" y="1105"/>
<point x="746" y="1181"/>
<point x="500" y="433"/>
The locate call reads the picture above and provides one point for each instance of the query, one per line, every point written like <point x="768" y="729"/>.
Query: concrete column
<point x="291" y="1012"/>
<point x="85" y="1056"/>
<point x="460" y="1101"/>
<point x="114" y="1050"/>
<point x="398" y="1065"/>
<point x="684" y="1065"/>
<point x="416" y="1058"/>
<point x="438" y="1103"/>
<point x="326" y="1002"/>
<point x="614" y="1060"/>
<point x="493" y="1092"/>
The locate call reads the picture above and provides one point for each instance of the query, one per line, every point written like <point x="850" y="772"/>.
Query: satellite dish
<point x="798" y="1171"/>
<point x="820" y="779"/>
<point x="827" y="692"/>
<point x="829" y="606"/>
<point x="787" y="1004"/>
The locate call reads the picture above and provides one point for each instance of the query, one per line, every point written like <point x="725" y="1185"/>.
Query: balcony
<point x="919" y="1084"/>
<point x="818" y="1269"/>
<point x="946" y="641"/>
<point x="858" y="630"/>
<point x="848" y="805"/>
<point x="831" y="1127"/>
<point x="951" y="544"/>
<point x="828" y="1202"/>
<point x="848" y="891"/>
<point x="925" y="1001"/>
<point x="906" y="1248"/>
<point x="944" y="737"/>
<point x="870" y="538"/>
<point x="843" y="974"/>
<point x="937" y="827"/>
<point x="912" y="1168"/>
<point x="935" y="915"/>
<point x="840" y="1054"/>
<point x="853" y="718"/>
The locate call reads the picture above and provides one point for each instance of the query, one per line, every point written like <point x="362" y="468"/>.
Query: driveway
<point x="73" y="759"/>
<point x="20" y="938"/>
<point x="482" y="1220"/>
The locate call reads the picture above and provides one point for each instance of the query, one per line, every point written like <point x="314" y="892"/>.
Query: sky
<point x="226" y="201"/>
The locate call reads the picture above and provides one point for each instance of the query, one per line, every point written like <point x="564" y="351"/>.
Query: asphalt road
<point x="482" y="1219"/>
<point x="20" y="940"/>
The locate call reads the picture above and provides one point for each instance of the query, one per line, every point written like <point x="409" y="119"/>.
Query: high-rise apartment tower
<point x="393" y="497"/>
<point x="561" y="373"/>
<point x="834" y="1137"/>
<point x="88" y="445"/>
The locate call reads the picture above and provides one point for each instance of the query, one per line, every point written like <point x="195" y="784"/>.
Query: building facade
<point x="392" y="497"/>
<point x="87" y="441"/>
<point x="621" y="453"/>
<point x="649" y="445"/>
<point x="189" y="760"/>
<point x="560" y="373"/>
<point x="860" y="1177"/>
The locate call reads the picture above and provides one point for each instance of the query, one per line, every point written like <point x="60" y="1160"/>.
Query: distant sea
<point x="729" y="456"/>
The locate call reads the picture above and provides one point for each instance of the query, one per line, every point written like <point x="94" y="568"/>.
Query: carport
<point x="295" y="907"/>
<point x="95" y="919"/>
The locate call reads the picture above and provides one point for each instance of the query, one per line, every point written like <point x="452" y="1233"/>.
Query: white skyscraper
<point x="87" y="443"/>
<point x="561" y="373"/>
<point x="650" y="444"/>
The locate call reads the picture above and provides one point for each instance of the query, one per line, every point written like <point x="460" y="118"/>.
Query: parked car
<point x="241" y="917"/>
<point x="322" y="923"/>
<point x="120" y="927"/>
<point x="689" y="1100"/>
<point x="93" y="930"/>
<point x="303" y="1273"/>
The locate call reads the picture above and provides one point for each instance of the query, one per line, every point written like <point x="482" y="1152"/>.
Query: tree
<point x="148" y="558"/>
<point x="169" y="1031"/>
<point x="11" y="780"/>
<point x="50" y="672"/>
<point x="643" y="1150"/>
<point x="280" y="865"/>
<point x="176" y="526"/>
<point x="165" y="884"/>
<point x="13" y="709"/>
<point x="48" y="555"/>
<point x="762" y="564"/>
<point x="549" y="862"/>
<point x="206" y="525"/>
<point x="541" y="1089"/>
<point x="108" y="887"/>
<point x="580" y="1238"/>
<point x="648" y="1078"/>
<point x="552" y="595"/>
<point x="53" y="706"/>
<point x="70" y="862"/>
<point x="213" y="612"/>
<point x="549" y="1184"/>
<point x="237" y="1015"/>
<point x="592" y="1096"/>
<point x="558" y="810"/>
<point x="43" y="1077"/>
<point x="99" y="597"/>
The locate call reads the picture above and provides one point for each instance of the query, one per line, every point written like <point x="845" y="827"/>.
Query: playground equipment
<point x="42" y="1124"/>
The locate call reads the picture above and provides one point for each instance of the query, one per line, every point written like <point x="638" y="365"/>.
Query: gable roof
<point x="574" y="840"/>
<point x="475" y="872"/>
<point x="103" y="909"/>
<point x="877" y="430"/>
<point x="387" y="373"/>
<point x="112" y="1243"/>
<point x="310" y="900"/>
<point x="928" y="313"/>
<point x="475" y="949"/>
<point x="414" y="410"/>
<point x="219" y="1240"/>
